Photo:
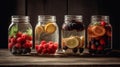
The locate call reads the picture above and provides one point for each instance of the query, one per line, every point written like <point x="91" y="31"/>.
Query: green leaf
<point x="13" y="31"/>
<point x="29" y="32"/>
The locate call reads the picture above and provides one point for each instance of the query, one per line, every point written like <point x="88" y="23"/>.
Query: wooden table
<point x="34" y="60"/>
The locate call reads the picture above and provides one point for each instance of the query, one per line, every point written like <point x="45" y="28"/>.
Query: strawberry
<point x="102" y="42"/>
<point x="103" y="23"/>
<point x="18" y="45"/>
<point x="93" y="47"/>
<point x="99" y="48"/>
<point x="40" y="48"/>
<point x="55" y="46"/>
<point x="19" y="34"/>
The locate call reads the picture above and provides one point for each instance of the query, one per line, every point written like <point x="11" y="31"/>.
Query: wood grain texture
<point x="7" y="59"/>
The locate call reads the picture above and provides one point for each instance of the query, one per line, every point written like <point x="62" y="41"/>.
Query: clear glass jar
<point x="20" y="35"/>
<point x="99" y="35"/>
<point x="73" y="34"/>
<point x="46" y="35"/>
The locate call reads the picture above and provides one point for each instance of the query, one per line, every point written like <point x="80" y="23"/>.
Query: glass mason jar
<point x="46" y="35"/>
<point x="73" y="34"/>
<point x="99" y="35"/>
<point x="20" y="35"/>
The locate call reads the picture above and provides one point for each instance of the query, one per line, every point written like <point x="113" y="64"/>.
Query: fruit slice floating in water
<point x="98" y="30"/>
<point x="90" y="33"/>
<point x="39" y="29"/>
<point x="50" y="28"/>
<point x="72" y="42"/>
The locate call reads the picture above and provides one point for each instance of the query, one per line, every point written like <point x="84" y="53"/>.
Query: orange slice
<point x="50" y="28"/>
<point x="39" y="29"/>
<point x="98" y="30"/>
<point x="90" y="33"/>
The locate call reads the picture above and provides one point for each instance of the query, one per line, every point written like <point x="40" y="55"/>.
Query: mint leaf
<point x="13" y="31"/>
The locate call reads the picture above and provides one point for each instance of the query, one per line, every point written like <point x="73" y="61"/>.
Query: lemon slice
<point x="39" y="29"/>
<point x="98" y="30"/>
<point x="50" y="28"/>
<point x="72" y="42"/>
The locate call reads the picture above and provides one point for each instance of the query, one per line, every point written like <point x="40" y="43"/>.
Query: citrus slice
<point x="82" y="40"/>
<point x="90" y="33"/>
<point x="72" y="42"/>
<point x="50" y="28"/>
<point x="39" y="29"/>
<point x="98" y="30"/>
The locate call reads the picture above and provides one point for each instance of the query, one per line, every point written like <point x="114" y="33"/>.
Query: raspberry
<point x="36" y="47"/>
<point x="28" y="44"/>
<point x="19" y="39"/>
<point x="19" y="34"/>
<point x="18" y="45"/>
<point x="44" y="51"/>
<point x="43" y="42"/>
<point x="10" y="45"/>
<point x="103" y="23"/>
<point x="93" y="47"/>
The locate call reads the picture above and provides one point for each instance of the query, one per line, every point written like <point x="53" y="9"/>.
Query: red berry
<point x="24" y="36"/>
<point x="19" y="39"/>
<point x="46" y="46"/>
<point x="102" y="42"/>
<point x="93" y="47"/>
<point x="40" y="48"/>
<point x="19" y="34"/>
<point x="50" y="42"/>
<point x="43" y="42"/>
<point x="55" y="47"/>
<point x="13" y="40"/>
<point x="10" y="45"/>
<point x="29" y="37"/>
<point x="28" y="44"/>
<point x="103" y="23"/>
<point x="44" y="51"/>
<point x="18" y="45"/>
<point x="100" y="48"/>
<point x="36" y="47"/>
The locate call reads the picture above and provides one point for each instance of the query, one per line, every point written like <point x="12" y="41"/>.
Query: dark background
<point x="33" y="8"/>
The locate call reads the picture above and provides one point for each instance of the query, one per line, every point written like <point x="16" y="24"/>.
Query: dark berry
<point x="65" y="47"/>
<point x="75" y="50"/>
<point x="24" y="51"/>
<point x="81" y="50"/>
<point x="14" y="50"/>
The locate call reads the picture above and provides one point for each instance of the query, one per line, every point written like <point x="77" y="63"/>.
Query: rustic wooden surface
<point x="7" y="59"/>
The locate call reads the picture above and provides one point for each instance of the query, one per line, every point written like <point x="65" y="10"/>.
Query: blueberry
<point x="81" y="50"/>
<point x="75" y="50"/>
<point x="69" y="25"/>
<point x="19" y="51"/>
<point x="65" y="47"/>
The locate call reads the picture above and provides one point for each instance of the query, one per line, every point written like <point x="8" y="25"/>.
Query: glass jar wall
<point x="46" y="35"/>
<point x="99" y="35"/>
<point x="20" y="35"/>
<point x="73" y="34"/>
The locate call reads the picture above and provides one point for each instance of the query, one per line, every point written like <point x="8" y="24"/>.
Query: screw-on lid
<point x="19" y="18"/>
<point x="73" y="17"/>
<point x="46" y="18"/>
